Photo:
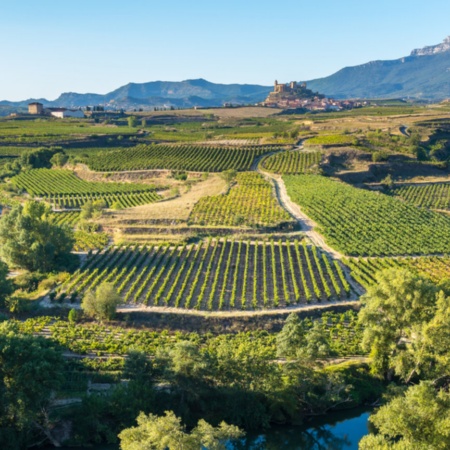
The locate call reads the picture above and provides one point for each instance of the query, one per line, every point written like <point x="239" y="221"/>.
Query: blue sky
<point x="53" y="46"/>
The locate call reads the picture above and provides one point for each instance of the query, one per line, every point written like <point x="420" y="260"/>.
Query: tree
<point x="101" y="304"/>
<point x="38" y="159"/>
<point x="132" y="121"/>
<point x="397" y="305"/>
<point x="291" y="338"/>
<point x="167" y="432"/>
<point x="6" y="285"/>
<point x="229" y="175"/>
<point x="59" y="159"/>
<point x="317" y="344"/>
<point x="418" y="419"/>
<point x="92" y="209"/>
<point x="30" y="371"/>
<point x="29" y="239"/>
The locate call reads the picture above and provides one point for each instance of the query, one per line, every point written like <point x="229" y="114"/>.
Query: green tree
<point x="92" y="209"/>
<point x="30" y="372"/>
<point x="29" y="239"/>
<point x="229" y="175"/>
<point x="59" y="159"/>
<point x="291" y="338"/>
<point x="317" y="344"/>
<point x="418" y="419"/>
<point x="39" y="158"/>
<point x="167" y="432"/>
<point x="6" y="285"/>
<point x="132" y="121"/>
<point x="397" y="305"/>
<point x="101" y="304"/>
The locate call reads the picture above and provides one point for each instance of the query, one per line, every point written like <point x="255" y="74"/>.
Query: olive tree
<point x="102" y="303"/>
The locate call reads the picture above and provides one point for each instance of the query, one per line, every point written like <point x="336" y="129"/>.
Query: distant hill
<point x="425" y="74"/>
<point x="188" y="93"/>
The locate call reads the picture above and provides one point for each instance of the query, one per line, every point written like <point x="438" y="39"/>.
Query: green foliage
<point x="6" y="285"/>
<point x="46" y="182"/>
<point x="40" y="158"/>
<point x="291" y="338"/>
<point x="59" y="159"/>
<point x="229" y="175"/>
<point x="30" y="371"/>
<point x="333" y="140"/>
<point x="250" y="202"/>
<point x="132" y="121"/>
<point x="165" y="432"/>
<point x="31" y="241"/>
<point x="73" y="316"/>
<point x="101" y="304"/>
<point x="175" y="157"/>
<point x="183" y="276"/>
<point x="418" y="419"/>
<point x="393" y="309"/>
<point x="92" y="210"/>
<point x="292" y="162"/>
<point x="359" y="222"/>
<point x="432" y="196"/>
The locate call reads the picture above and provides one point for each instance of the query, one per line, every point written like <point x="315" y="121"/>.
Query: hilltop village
<point x="297" y="96"/>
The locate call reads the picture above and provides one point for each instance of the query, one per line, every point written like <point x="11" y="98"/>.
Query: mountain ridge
<point x="424" y="74"/>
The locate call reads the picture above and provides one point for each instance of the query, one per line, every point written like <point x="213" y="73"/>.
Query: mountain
<point x="425" y="74"/>
<point x="183" y="94"/>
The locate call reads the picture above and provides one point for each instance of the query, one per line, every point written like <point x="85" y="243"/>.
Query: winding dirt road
<point x="307" y="225"/>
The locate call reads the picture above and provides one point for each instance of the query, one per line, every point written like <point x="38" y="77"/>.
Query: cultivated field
<point x="216" y="275"/>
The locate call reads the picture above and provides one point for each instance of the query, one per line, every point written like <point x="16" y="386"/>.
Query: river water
<point x="336" y="431"/>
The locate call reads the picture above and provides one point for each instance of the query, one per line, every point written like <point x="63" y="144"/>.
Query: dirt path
<point x="307" y="225"/>
<point x="237" y="313"/>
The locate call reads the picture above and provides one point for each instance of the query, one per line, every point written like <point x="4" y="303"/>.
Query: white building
<point x="62" y="113"/>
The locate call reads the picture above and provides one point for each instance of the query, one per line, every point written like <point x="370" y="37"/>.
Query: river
<point x="335" y="431"/>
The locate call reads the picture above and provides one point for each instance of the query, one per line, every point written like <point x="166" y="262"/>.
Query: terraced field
<point x="214" y="276"/>
<point x="363" y="223"/>
<point x="198" y="158"/>
<point x="250" y="202"/>
<point x="292" y="162"/>
<point x="437" y="268"/>
<point x="432" y="196"/>
<point x="65" y="190"/>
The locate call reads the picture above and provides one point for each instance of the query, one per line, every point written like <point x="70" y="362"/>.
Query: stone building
<point x="35" y="108"/>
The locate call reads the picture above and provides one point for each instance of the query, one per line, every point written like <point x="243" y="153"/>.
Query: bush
<point x="101" y="304"/>
<point x="73" y="316"/>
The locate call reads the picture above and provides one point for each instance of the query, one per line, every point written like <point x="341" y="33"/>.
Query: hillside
<point x="184" y="94"/>
<point x="425" y="74"/>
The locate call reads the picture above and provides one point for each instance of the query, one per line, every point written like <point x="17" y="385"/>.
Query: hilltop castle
<point x="291" y="88"/>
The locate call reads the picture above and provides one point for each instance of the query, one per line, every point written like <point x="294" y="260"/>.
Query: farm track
<point x="273" y="311"/>
<point x="307" y="225"/>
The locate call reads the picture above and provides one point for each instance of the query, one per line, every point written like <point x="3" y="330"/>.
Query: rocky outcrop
<point x="433" y="49"/>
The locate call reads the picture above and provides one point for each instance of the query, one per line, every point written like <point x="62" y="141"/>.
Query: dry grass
<point x="177" y="209"/>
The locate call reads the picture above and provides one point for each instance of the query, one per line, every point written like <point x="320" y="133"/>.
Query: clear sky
<point x="52" y="46"/>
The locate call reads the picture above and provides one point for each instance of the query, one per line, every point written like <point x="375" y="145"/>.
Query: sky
<point x="52" y="46"/>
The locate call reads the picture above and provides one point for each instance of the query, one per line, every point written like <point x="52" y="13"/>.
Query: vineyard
<point x="250" y="202"/>
<point x="432" y="196"/>
<point x="120" y="200"/>
<point x="343" y="332"/>
<point x="217" y="275"/>
<point x="197" y="158"/>
<point x="292" y="162"/>
<point x="332" y="140"/>
<point x="436" y="268"/>
<point x="66" y="218"/>
<point x="85" y="241"/>
<point x="364" y="223"/>
<point x="64" y="189"/>
<point x="46" y="182"/>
